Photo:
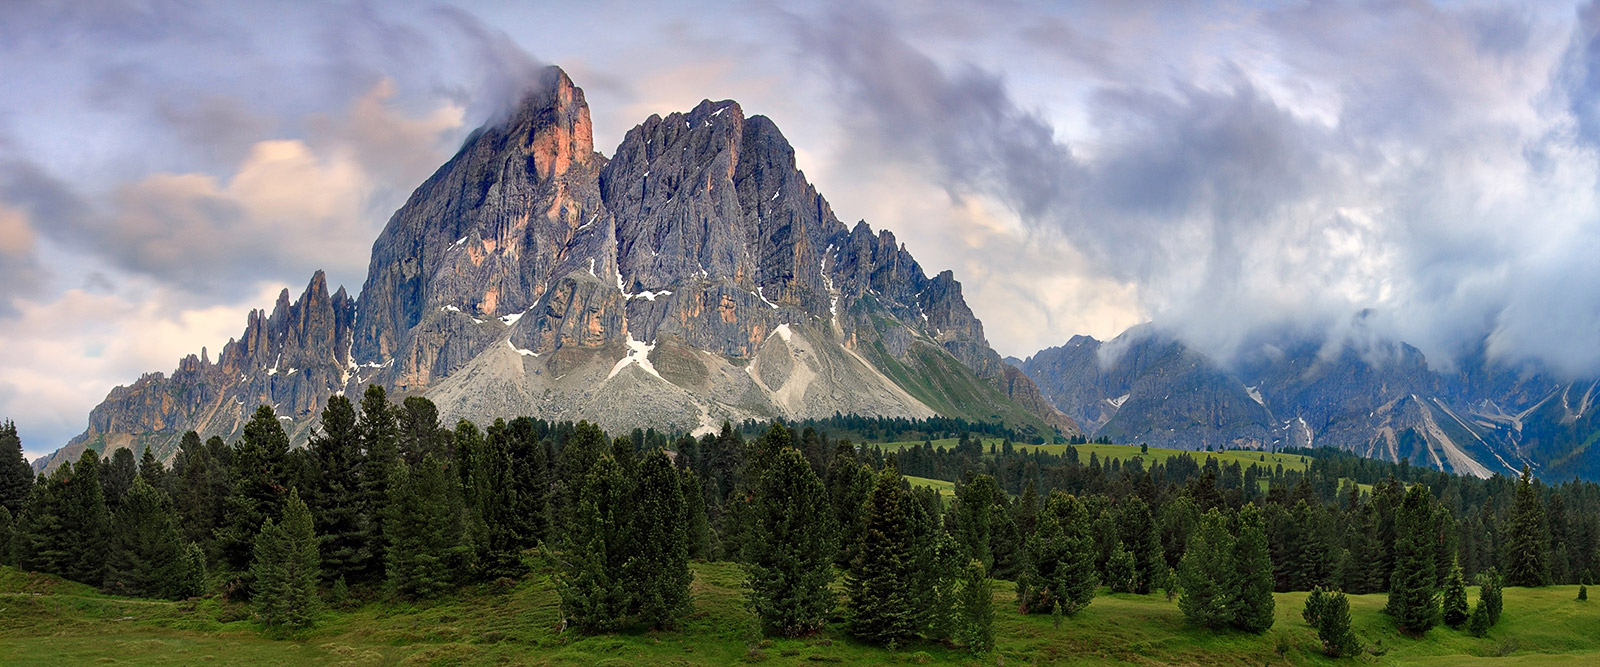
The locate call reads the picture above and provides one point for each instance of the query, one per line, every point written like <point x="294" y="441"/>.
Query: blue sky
<point x="1219" y="168"/>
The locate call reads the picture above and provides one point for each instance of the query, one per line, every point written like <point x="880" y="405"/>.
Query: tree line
<point x="384" y="501"/>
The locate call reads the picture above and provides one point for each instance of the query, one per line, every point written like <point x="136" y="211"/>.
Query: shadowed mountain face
<point x="693" y="277"/>
<point x="1479" y="418"/>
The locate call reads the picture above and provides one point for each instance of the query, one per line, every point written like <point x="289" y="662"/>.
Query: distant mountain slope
<point x="1479" y="418"/>
<point x="693" y="277"/>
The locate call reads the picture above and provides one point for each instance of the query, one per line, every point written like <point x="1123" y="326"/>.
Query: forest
<point x="385" y="503"/>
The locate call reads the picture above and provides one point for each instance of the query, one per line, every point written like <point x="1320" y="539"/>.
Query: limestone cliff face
<point x="693" y="277"/>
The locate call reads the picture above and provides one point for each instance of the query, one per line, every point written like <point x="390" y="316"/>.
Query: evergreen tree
<point x="658" y="569"/>
<point x="254" y="495"/>
<point x="8" y="532"/>
<point x="530" y="482"/>
<point x="85" y="522"/>
<point x="1413" y="599"/>
<point x="976" y="627"/>
<point x="788" y="560"/>
<point x="424" y="528"/>
<point x="1058" y="572"/>
<point x="1205" y="574"/>
<point x="1478" y="623"/>
<point x="975" y="502"/>
<point x="336" y="501"/>
<point x="145" y="557"/>
<point x="1250" y="601"/>
<point x="849" y="484"/>
<point x="1454" y="607"/>
<point x="42" y="541"/>
<point x="882" y="608"/>
<point x="1333" y="627"/>
<point x="1137" y="530"/>
<point x="265" y="431"/>
<point x="380" y="436"/>
<point x="697" y="527"/>
<point x="592" y="583"/>
<point x="1120" y="571"/>
<point x="1527" y="542"/>
<point x="153" y="472"/>
<point x="285" y="567"/>
<point x="1583" y="591"/>
<point x="1489" y="594"/>
<point x="419" y="432"/>
<point x="116" y="477"/>
<point x="491" y="497"/>
<point x="582" y="448"/>
<point x="1315" y="603"/>
<point x="200" y="483"/>
<point x="192" y="581"/>
<point x="16" y="475"/>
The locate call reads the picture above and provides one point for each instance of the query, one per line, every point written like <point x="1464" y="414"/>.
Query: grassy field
<point x="1127" y="452"/>
<point x="44" y="621"/>
<point x="945" y="489"/>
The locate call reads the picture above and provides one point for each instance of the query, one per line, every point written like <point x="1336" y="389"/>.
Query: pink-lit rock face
<point x="528" y="255"/>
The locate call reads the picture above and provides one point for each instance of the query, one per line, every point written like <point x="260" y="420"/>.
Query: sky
<point x="1394" y="170"/>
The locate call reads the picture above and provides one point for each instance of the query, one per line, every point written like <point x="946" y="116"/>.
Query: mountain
<point x="694" y="276"/>
<point x="1477" y="417"/>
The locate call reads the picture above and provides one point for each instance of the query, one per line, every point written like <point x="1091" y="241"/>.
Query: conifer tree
<point x="582" y="448"/>
<point x="1527" y="542"/>
<point x="419" y="431"/>
<point x="1137" y="530"/>
<point x="265" y="431"/>
<point x="1251" y="603"/>
<point x="380" y="436"/>
<point x="658" y="569"/>
<point x="116" y="477"/>
<point x="153" y="472"/>
<point x="1205" y="574"/>
<point x="424" y="529"/>
<point x="16" y="475"/>
<point x="1478" y="623"/>
<point x="285" y="569"/>
<point x="1413" y="599"/>
<point x="1333" y="627"/>
<point x="1315" y="603"/>
<point x="788" y="560"/>
<point x="42" y="540"/>
<point x="882" y="606"/>
<point x="84" y="522"/>
<point x="697" y="527"/>
<point x="530" y="481"/>
<point x="975" y="503"/>
<point x="253" y="496"/>
<point x="592" y="584"/>
<point x="491" y="497"/>
<point x="145" y="555"/>
<point x="849" y="484"/>
<point x="336" y="501"/>
<point x="1058" y="572"/>
<point x="200" y="483"/>
<point x="976" y="625"/>
<point x="1454" y="606"/>
<point x="1489" y="593"/>
<point x="1120" y="571"/>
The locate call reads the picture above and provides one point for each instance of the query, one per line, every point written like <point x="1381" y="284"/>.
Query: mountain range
<point x="693" y="277"/>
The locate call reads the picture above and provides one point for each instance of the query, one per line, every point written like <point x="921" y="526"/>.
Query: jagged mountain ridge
<point x="532" y="275"/>
<point x="1480" y="417"/>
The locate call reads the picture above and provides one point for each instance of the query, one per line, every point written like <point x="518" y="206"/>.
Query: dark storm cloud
<point x="1405" y="172"/>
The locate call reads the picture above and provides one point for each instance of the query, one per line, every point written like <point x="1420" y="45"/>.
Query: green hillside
<point x="46" y="621"/>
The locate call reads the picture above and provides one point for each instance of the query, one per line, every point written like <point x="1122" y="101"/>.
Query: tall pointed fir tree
<point x="1058" y="570"/>
<point x="336" y="501"/>
<point x="658" y="570"/>
<point x="1205" y="574"/>
<point x="697" y="527"/>
<point x="424" y="529"/>
<point x="1333" y="627"/>
<point x="153" y="471"/>
<point x="789" y="558"/>
<point x="849" y="484"/>
<point x="530" y="480"/>
<point x="1413" y="596"/>
<point x="41" y="542"/>
<point x="85" y="522"/>
<point x="1454" y="606"/>
<point x="882" y="606"/>
<point x="1527" y="542"/>
<point x="491" y="497"/>
<point x="285" y="567"/>
<point x="146" y="554"/>
<point x="974" y="509"/>
<point x="1251" y="602"/>
<point x="591" y="582"/>
<point x="16" y="475"/>
<point x="1137" y="530"/>
<point x="380" y="435"/>
<point x="199" y="485"/>
<point x="975" y="626"/>
<point x="116" y="476"/>
<point x="8" y="532"/>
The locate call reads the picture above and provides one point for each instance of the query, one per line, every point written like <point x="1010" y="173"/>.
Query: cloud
<point x="1411" y="164"/>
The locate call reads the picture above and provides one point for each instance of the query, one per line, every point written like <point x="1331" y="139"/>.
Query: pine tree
<point x="849" y="484"/>
<point x="336" y="501"/>
<point x="976" y="626"/>
<point x="1478" y="623"/>
<point x="788" y="560"/>
<point x="16" y="475"/>
<point x="1058" y="573"/>
<point x="1205" y="574"/>
<point x="285" y="567"/>
<point x="8" y="531"/>
<point x="592" y="584"/>
<point x="116" y="477"/>
<point x="153" y="472"/>
<point x="419" y="431"/>
<point x="381" y="455"/>
<point x="1413" y="599"/>
<point x="658" y="570"/>
<point x="1333" y="627"/>
<point x="85" y="522"/>
<point x="1454" y="607"/>
<point x="1250" y="600"/>
<point x="697" y="527"/>
<point x="530" y="481"/>
<point x="424" y="528"/>
<point x="265" y="431"/>
<point x="145" y="555"/>
<point x="192" y="575"/>
<point x="1489" y="593"/>
<point x="882" y="609"/>
<point x="1583" y="591"/>
<point x="1527" y="543"/>
<point x="200" y="483"/>
<point x="253" y="496"/>
<point x="491" y="497"/>
<point x="1120" y="571"/>
<point x="1315" y="603"/>
<point x="975" y="502"/>
<point x="42" y="541"/>
<point x="1136" y="528"/>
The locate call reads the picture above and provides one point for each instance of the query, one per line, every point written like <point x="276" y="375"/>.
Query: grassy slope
<point x="44" y="621"/>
